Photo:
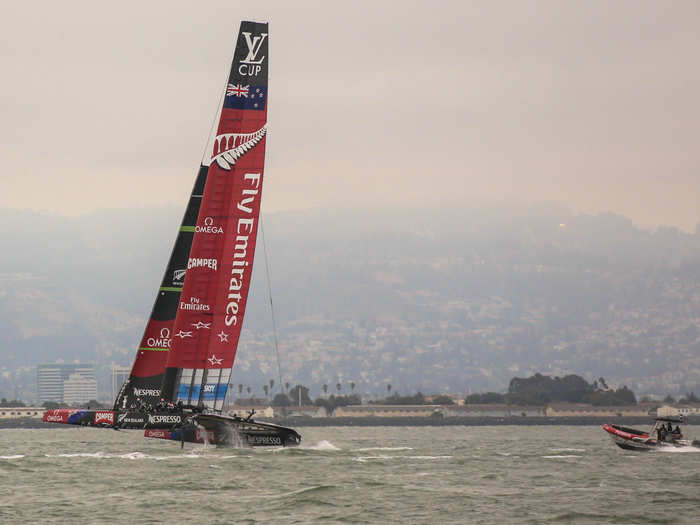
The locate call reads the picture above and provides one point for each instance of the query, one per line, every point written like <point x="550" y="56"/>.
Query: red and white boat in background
<point x="661" y="435"/>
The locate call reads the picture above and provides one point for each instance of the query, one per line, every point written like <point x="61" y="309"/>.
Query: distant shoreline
<point x="31" y="423"/>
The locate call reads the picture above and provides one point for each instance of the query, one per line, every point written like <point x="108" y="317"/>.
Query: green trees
<point x="541" y="390"/>
<point x="333" y="402"/>
<point x="300" y="392"/>
<point x="442" y="400"/>
<point x="281" y="400"/>
<point x="17" y="403"/>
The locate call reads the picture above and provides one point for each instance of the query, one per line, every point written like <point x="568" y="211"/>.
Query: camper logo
<point x="104" y="418"/>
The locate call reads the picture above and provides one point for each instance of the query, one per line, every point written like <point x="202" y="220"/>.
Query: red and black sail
<point x="211" y="306"/>
<point x="147" y="372"/>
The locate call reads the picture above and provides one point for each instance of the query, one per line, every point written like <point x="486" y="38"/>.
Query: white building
<point x="119" y="376"/>
<point x="51" y="377"/>
<point x="78" y="389"/>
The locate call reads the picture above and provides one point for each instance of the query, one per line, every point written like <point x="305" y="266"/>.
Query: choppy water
<point x="347" y="475"/>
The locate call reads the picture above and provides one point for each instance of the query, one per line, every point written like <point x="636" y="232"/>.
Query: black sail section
<point x="146" y="378"/>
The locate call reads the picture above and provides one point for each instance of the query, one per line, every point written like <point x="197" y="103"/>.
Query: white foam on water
<point x="425" y="457"/>
<point x="679" y="450"/>
<point x="567" y="449"/>
<point x="100" y="455"/>
<point x="366" y="449"/>
<point x="563" y="456"/>
<point x="365" y="459"/>
<point x="15" y="456"/>
<point x="133" y="455"/>
<point x="322" y="445"/>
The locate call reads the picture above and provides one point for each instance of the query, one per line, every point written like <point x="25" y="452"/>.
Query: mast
<point x="219" y="268"/>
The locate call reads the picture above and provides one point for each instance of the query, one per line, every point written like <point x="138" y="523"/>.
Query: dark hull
<point x="226" y="431"/>
<point x="185" y="426"/>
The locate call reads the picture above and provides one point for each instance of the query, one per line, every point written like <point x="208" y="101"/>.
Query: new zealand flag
<point x="239" y="96"/>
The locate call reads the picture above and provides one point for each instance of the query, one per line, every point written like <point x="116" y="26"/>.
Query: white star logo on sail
<point x="213" y="361"/>
<point x="223" y="336"/>
<point x="182" y="334"/>
<point x="200" y="324"/>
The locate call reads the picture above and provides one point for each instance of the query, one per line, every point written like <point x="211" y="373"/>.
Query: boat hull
<point x="225" y="431"/>
<point x="185" y="426"/>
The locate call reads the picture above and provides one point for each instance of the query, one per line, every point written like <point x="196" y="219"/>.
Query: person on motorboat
<point x="661" y="433"/>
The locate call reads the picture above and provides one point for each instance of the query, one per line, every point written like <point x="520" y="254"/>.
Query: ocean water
<point x="439" y="475"/>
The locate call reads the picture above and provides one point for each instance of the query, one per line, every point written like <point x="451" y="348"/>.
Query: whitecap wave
<point x="366" y="449"/>
<point x="100" y="455"/>
<point x="13" y="456"/>
<point x="322" y="445"/>
<point x="562" y="456"/>
<point x="365" y="459"/>
<point x="567" y="449"/>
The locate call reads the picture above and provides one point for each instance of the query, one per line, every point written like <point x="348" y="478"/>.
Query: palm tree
<point x="272" y="384"/>
<point x="266" y="389"/>
<point x="352" y="386"/>
<point x="388" y="388"/>
<point x="338" y="387"/>
<point x="240" y="388"/>
<point x="286" y="387"/>
<point x="248" y="389"/>
<point x="325" y="389"/>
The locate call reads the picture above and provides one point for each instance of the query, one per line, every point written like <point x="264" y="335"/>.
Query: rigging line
<point x="272" y="308"/>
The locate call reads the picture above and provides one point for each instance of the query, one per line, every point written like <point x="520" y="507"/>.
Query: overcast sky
<point x="592" y="104"/>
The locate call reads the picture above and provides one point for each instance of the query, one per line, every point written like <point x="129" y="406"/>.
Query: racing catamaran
<point x="180" y="377"/>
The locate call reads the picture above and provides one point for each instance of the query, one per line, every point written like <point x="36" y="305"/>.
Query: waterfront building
<point x="78" y="390"/>
<point x="51" y="377"/>
<point x="18" y="412"/>
<point x="119" y="376"/>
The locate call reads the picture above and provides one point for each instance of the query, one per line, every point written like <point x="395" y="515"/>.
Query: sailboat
<point x="180" y="377"/>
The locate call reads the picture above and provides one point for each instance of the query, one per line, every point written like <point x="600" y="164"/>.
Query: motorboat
<point x="660" y="435"/>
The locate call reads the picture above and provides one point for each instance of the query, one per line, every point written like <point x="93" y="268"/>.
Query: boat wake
<point x="678" y="450"/>
<point x="129" y="455"/>
<point x="322" y="445"/>
<point x="366" y="449"/>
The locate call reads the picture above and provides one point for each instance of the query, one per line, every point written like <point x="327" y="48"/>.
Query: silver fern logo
<point x="229" y="147"/>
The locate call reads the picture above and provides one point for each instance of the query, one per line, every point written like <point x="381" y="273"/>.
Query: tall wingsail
<point x="212" y="304"/>
<point x="146" y="376"/>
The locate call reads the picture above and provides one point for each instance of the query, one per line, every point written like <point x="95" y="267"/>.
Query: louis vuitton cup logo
<point x="251" y="64"/>
<point x="229" y="147"/>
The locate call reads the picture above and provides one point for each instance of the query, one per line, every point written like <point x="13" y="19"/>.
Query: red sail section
<point x="213" y="299"/>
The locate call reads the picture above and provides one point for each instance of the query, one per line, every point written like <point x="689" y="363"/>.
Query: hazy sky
<point x="592" y="104"/>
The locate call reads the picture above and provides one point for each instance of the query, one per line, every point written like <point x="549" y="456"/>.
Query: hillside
<point x="459" y="301"/>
